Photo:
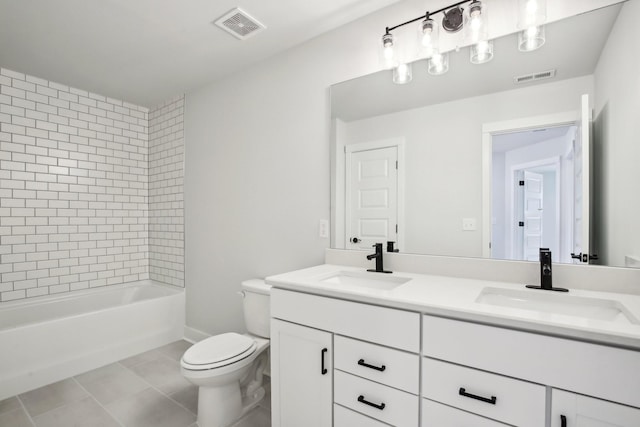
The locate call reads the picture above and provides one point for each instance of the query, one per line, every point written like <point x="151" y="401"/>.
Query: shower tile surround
<point x="166" y="210"/>
<point x="90" y="189"/>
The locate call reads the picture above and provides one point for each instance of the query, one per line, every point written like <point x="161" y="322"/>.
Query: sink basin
<point x="368" y="280"/>
<point x="551" y="302"/>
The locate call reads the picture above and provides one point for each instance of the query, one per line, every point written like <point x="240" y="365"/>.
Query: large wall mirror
<point x="532" y="149"/>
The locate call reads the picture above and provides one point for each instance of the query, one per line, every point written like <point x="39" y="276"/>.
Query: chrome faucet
<point x="378" y="257"/>
<point x="546" y="282"/>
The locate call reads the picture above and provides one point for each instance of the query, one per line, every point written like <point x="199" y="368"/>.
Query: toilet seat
<point x="218" y="351"/>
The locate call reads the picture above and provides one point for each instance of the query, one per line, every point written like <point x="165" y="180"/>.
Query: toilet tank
<point x="257" y="309"/>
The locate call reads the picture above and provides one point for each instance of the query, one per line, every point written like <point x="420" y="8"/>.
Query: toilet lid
<point x="219" y="348"/>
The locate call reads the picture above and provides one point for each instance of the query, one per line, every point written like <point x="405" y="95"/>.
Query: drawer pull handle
<point x="464" y="393"/>
<point x="361" y="399"/>
<point x="323" y="370"/>
<point x="361" y="362"/>
<point x="563" y="421"/>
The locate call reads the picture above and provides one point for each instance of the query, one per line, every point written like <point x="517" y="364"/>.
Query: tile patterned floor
<point x="146" y="390"/>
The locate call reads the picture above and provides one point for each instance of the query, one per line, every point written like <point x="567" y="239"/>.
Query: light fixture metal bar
<point x="428" y="14"/>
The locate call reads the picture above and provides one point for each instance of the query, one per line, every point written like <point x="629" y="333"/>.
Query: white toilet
<point x="228" y="367"/>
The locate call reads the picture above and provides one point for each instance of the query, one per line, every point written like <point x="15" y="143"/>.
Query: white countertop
<point x="457" y="298"/>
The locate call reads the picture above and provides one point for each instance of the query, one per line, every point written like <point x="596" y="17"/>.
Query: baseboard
<point x="194" y="335"/>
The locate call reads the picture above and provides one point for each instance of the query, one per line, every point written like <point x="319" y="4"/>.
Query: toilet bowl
<point x="228" y="368"/>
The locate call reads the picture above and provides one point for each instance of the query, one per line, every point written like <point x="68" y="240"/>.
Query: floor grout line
<point x="98" y="402"/>
<point x="154" y="387"/>
<point x="24" y="408"/>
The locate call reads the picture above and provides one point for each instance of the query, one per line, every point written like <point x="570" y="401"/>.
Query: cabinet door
<point x="301" y="375"/>
<point x="576" y="410"/>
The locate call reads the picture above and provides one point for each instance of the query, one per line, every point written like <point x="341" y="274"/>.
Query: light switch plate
<point x="323" y="228"/>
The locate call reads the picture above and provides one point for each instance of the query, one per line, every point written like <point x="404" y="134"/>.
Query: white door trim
<point x="399" y="143"/>
<point x="508" y="126"/>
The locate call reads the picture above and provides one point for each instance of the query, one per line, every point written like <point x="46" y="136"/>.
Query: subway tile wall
<point x="166" y="215"/>
<point x="74" y="189"/>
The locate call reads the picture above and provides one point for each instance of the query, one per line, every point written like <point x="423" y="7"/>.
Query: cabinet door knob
<point x="463" y="392"/>
<point x="323" y="370"/>
<point x="563" y="421"/>
<point x="361" y="362"/>
<point x="361" y="399"/>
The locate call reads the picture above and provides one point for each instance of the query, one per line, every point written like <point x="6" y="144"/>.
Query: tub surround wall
<point x="166" y="211"/>
<point x="74" y="189"/>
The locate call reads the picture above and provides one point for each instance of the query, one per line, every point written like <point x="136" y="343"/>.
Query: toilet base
<point x="226" y="410"/>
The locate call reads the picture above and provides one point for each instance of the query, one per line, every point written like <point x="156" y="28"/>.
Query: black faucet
<point x="546" y="282"/>
<point x="378" y="256"/>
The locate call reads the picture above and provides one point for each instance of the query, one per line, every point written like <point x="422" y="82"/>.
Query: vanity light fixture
<point x="402" y="74"/>
<point x="531" y="38"/>
<point x="475" y="20"/>
<point x="438" y="64"/>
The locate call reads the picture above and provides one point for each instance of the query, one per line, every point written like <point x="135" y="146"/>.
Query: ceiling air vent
<point x="239" y="24"/>
<point x="528" y="78"/>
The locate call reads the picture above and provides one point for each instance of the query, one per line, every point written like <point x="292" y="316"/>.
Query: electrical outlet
<point x="468" y="224"/>
<point x="323" y="228"/>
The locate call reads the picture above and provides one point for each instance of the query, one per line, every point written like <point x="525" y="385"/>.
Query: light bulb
<point x="476" y="24"/>
<point x="427" y="38"/>
<point x="387" y="52"/>
<point x="531" y="13"/>
<point x="476" y="20"/>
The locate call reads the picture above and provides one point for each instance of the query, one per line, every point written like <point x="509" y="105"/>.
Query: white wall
<point x="443" y="154"/>
<point x="257" y="163"/>
<point x="617" y="141"/>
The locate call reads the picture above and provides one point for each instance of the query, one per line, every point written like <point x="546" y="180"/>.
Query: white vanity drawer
<point x="388" y="326"/>
<point x="438" y="415"/>
<point x="556" y="362"/>
<point x="343" y="417"/>
<point x="393" y="406"/>
<point x="501" y="398"/>
<point x="385" y="365"/>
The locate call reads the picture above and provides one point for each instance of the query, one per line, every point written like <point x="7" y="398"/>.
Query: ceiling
<point x="145" y="51"/>
<point x="572" y="48"/>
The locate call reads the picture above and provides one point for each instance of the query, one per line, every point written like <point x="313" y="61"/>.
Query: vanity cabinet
<point x="375" y="361"/>
<point x="439" y="415"/>
<point x="353" y="364"/>
<point x="520" y="368"/>
<point x="503" y="399"/>
<point x="575" y="410"/>
<point x="301" y="368"/>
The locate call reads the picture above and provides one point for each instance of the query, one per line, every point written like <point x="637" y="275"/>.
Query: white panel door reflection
<point x="371" y="197"/>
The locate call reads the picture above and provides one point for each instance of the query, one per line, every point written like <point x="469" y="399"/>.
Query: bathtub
<point x="46" y="339"/>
